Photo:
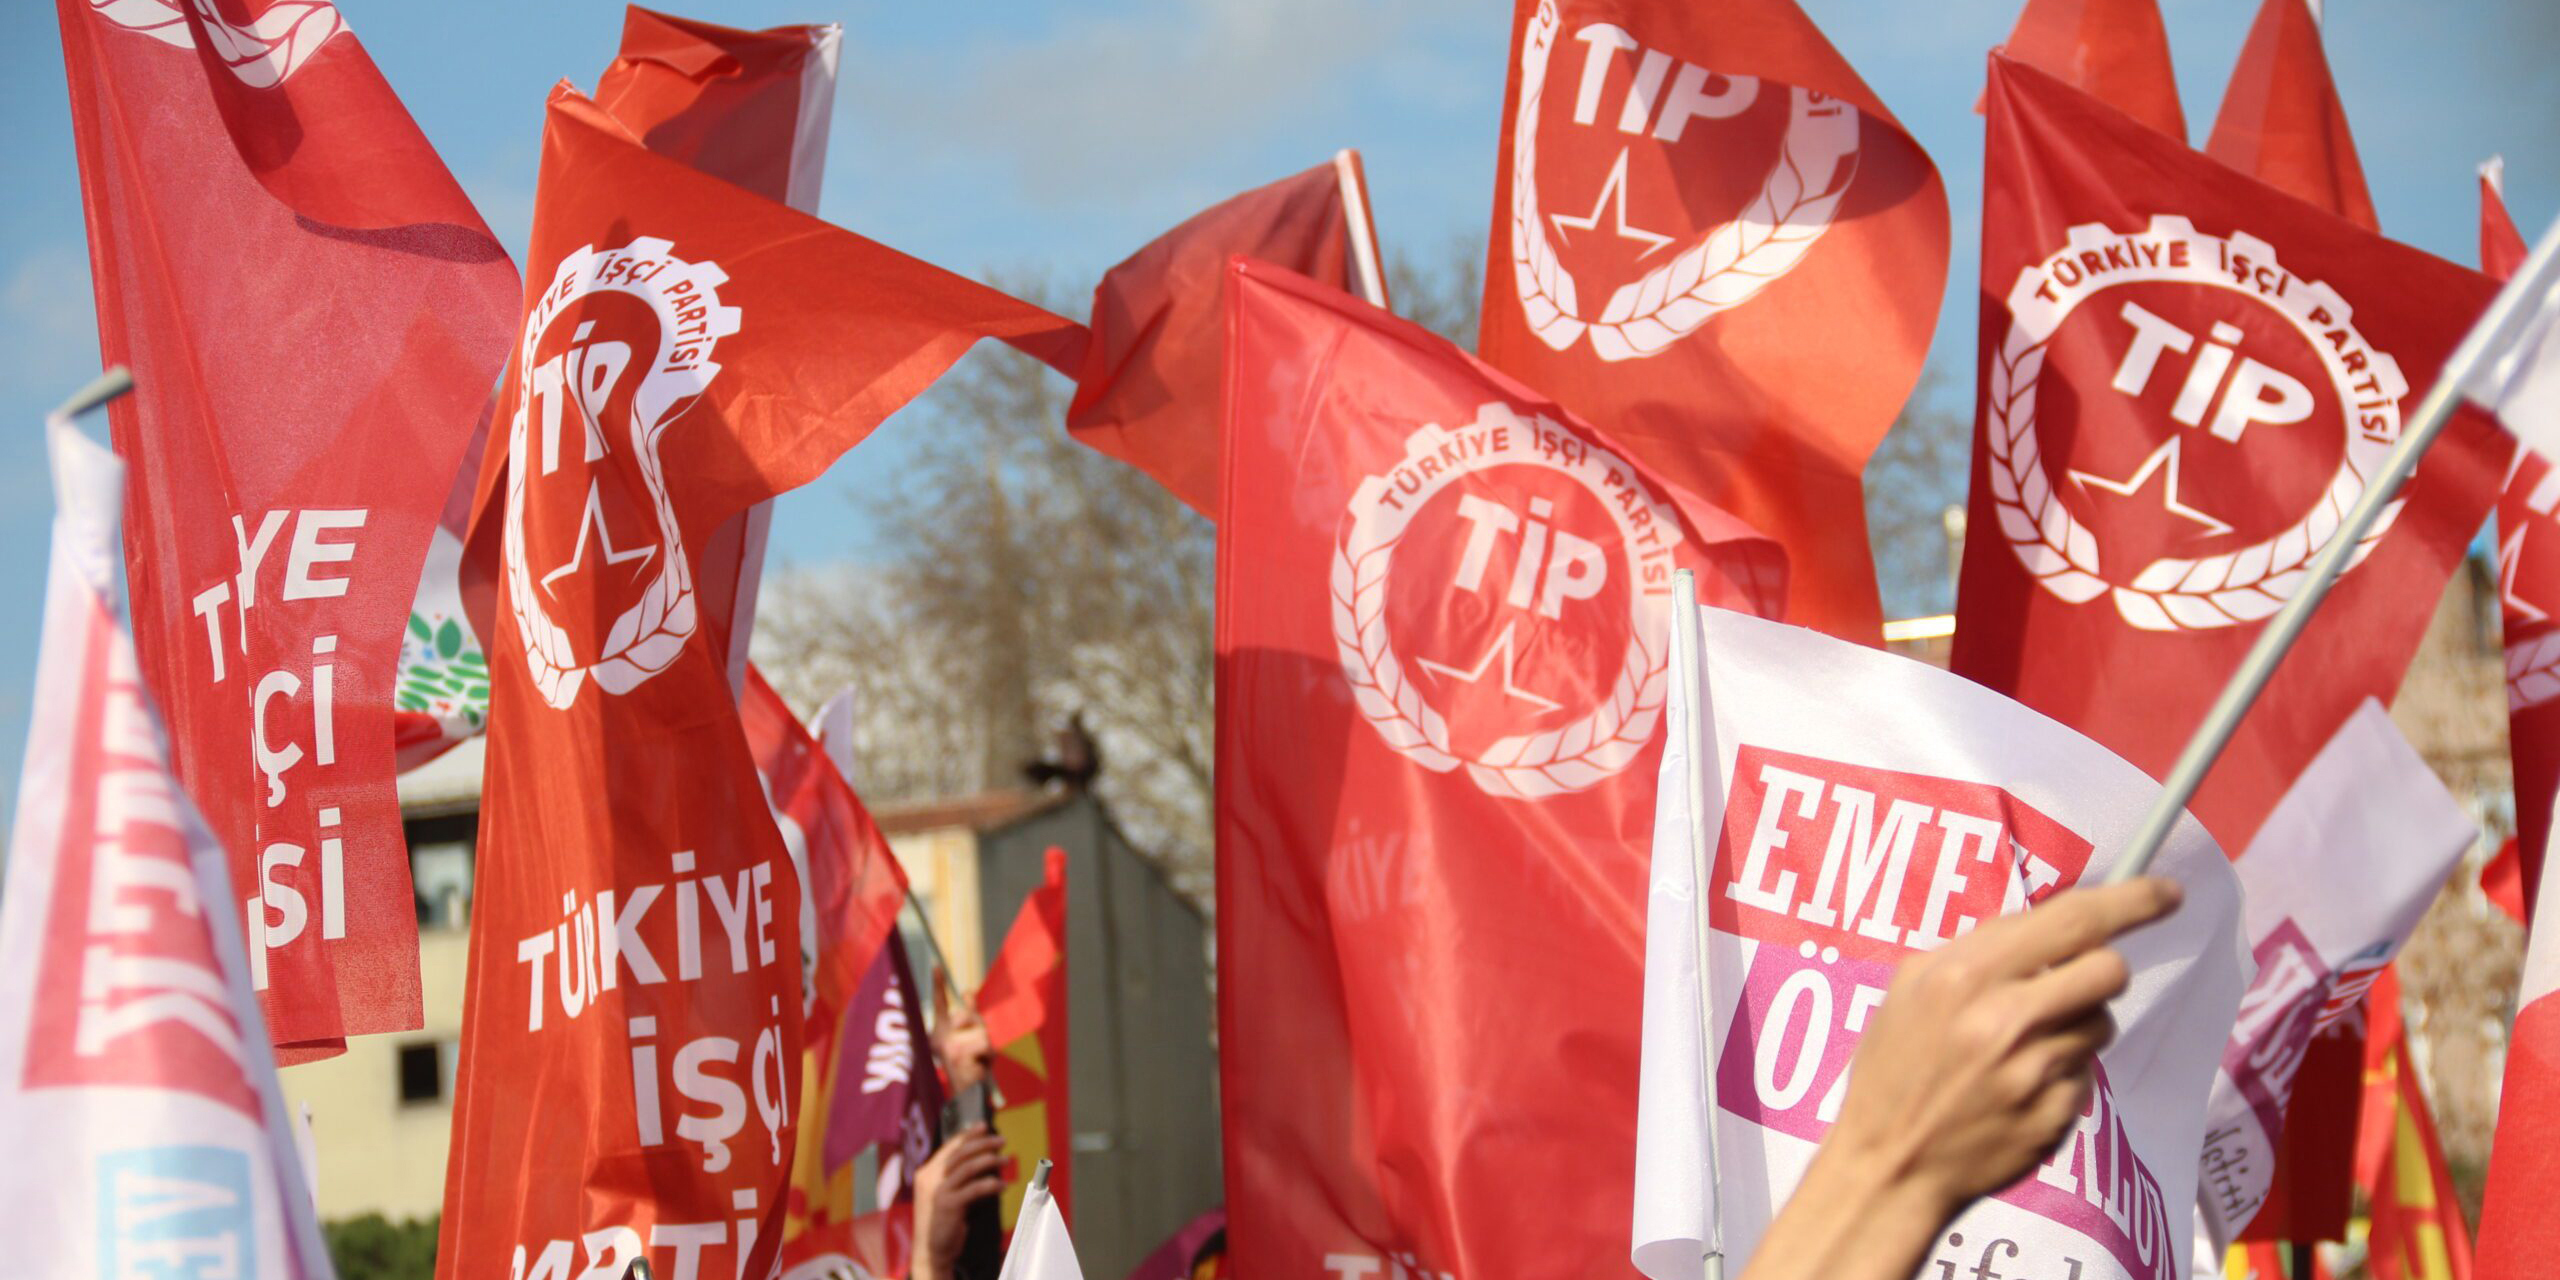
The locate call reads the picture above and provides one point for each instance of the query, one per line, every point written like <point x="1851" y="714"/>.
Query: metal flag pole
<point x="2496" y="331"/>
<point x="1364" y="234"/>
<point x="101" y="390"/>
<point x="1688" y="659"/>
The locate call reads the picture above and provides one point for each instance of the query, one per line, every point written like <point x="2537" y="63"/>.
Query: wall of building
<point x="379" y="1153"/>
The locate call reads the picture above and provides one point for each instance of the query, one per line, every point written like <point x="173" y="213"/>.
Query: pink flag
<point x="140" y="1107"/>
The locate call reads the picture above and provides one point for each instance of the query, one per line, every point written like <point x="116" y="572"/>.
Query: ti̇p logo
<point x="613" y="353"/>
<point x="1498" y="604"/>
<point x="1624" y="158"/>
<point x="2219" y="417"/>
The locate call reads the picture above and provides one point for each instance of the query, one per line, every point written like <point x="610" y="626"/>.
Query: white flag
<point x="2368" y="814"/>
<point x="139" y="1105"/>
<point x="1040" y="1248"/>
<point x="1867" y="809"/>
<point x="2518" y="377"/>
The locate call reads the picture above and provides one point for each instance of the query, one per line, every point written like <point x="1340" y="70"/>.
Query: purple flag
<point x="888" y="1094"/>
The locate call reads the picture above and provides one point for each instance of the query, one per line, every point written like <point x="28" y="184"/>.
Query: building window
<point x="422" y="1077"/>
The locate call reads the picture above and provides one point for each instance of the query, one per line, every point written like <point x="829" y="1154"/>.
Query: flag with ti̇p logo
<point x="138" y="1102"/>
<point x="1024" y="1001"/>
<point x="2367" y="812"/>
<point x="631" y="1066"/>
<point x="750" y="107"/>
<point x="1714" y="244"/>
<point x="1861" y="810"/>
<point x="2528" y="592"/>
<point x="313" y="312"/>
<point x="2187" y="378"/>
<point x="1441" y="675"/>
<point x="2116" y="51"/>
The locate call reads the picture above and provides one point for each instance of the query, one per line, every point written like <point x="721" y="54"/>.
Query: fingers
<point x="2073" y="922"/>
<point x="2069" y="991"/>
<point x="2055" y="1109"/>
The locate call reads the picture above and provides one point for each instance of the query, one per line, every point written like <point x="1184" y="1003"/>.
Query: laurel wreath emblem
<point x="265" y="53"/>
<point x="2533" y="671"/>
<point x="1723" y="269"/>
<point x="2169" y="594"/>
<point x="646" y="638"/>
<point x="1527" y="766"/>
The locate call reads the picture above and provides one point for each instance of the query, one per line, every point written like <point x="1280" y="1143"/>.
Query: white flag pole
<point x="2496" y="331"/>
<point x="1688" y="659"/>
<point x="1364" y="234"/>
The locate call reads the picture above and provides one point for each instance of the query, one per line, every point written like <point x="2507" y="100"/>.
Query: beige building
<point x="1140" y="1025"/>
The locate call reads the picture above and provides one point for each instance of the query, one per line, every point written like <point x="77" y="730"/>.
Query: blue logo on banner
<point x="175" y="1213"/>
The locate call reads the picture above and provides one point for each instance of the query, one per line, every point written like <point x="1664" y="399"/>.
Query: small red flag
<point x="2281" y="121"/>
<point x="1147" y="387"/>
<point x="1443" y="605"/>
<point x="2417" y="1231"/>
<point x="1024" y="1002"/>
<point x="1712" y="241"/>
<point x="313" y="313"/>
<point x="631" y="1055"/>
<point x="2116" y="51"/>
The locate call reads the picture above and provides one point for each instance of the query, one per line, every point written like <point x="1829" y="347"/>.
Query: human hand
<point x="959" y="1039"/>
<point x="1973" y="1069"/>
<point x="964" y="1170"/>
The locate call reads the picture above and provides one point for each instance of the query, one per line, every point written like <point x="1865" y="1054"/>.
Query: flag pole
<point x="1688" y="658"/>
<point x="2496" y="331"/>
<point x="102" y="389"/>
<point x="1364" y="234"/>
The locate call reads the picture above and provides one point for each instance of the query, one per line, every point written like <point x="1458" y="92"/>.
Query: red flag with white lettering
<point x="631" y="1046"/>
<point x="140" y="1104"/>
<point x="749" y="107"/>
<point x="1713" y="243"/>
<point x="1441" y="675"/>
<point x="1147" y="388"/>
<point x="2186" y="378"/>
<point x="2116" y="51"/>
<point x="2281" y="120"/>
<point x="313" y="313"/>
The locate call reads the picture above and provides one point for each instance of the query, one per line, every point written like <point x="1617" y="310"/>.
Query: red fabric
<point x="1434" y="803"/>
<point x="2281" y="121"/>
<point x="2042" y="627"/>
<point x="722" y="348"/>
<point x="2116" y="51"/>
<point x="2528" y="600"/>
<point x="1024" y="1002"/>
<point x="1147" y="390"/>
<point x="2417" y="1230"/>
<point x="1804" y="229"/>
<point x="313" y="313"/>
<point x="2518" y="1231"/>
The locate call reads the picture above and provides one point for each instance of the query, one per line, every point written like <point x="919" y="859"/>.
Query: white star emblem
<point x="2164" y="458"/>
<point x="1503" y="649"/>
<point x="2511" y="554"/>
<point x="1612" y="193"/>
<point x="593" y="518"/>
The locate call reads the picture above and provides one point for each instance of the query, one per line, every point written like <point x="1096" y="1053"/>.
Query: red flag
<point x="2528" y="597"/>
<point x="2116" y="51"/>
<point x="750" y="107"/>
<point x="2153" y="470"/>
<point x="1711" y="241"/>
<point x="2281" y="121"/>
<point x="1024" y="1002"/>
<point x="2518" y="1232"/>
<point x="2502" y="879"/>
<point x="313" y="313"/>
<point x="2417" y="1229"/>
<point x="1441" y="679"/>
<point x="631" y="1053"/>
<point x="1147" y="387"/>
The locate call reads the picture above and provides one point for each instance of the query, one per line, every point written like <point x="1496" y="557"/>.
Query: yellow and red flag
<point x="1025" y="1004"/>
<point x="2418" y="1232"/>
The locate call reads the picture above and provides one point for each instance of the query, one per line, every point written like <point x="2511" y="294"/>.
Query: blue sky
<point x="1055" y="138"/>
